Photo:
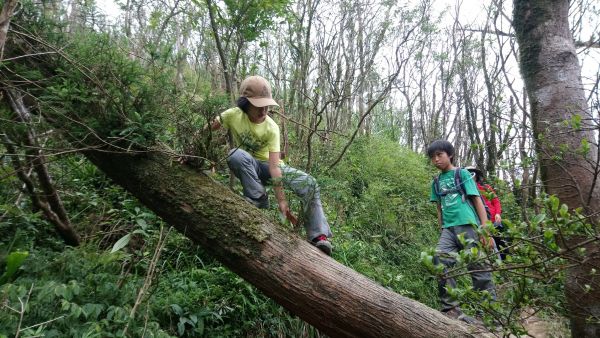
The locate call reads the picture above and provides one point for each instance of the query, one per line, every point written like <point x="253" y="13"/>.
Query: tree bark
<point x="562" y="127"/>
<point x="215" y="29"/>
<point x="7" y="11"/>
<point x="330" y="296"/>
<point x="54" y="210"/>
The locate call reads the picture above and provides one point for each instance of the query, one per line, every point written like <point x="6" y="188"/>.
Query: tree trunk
<point x="215" y="29"/>
<point x="330" y="296"/>
<point x="562" y="131"/>
<point x="54" y="210"/>
<point x="7" y="11"/>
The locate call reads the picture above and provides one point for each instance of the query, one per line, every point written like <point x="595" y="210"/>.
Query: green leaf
<point x="564" y="211"/>
<point x="554" y="203"/>
<point x="576" y="122"/>
<point x="539" y="218"/>
<point x="181" y="327"/>
<point x="584" y="149"/>
<point x="13" y="262"/>
<point x="142" y="223"/>
<point x="121" y="243"/>
<point x="177" y="309"/>
<point x="548" y="234"/>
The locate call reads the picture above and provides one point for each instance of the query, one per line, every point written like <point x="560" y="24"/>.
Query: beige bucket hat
<point x="258" y="91"/>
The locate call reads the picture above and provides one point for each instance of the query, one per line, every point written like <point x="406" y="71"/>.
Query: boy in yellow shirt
<point x="256" y="159"/>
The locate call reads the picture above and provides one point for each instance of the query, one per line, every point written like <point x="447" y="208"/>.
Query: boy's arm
<point x="214" y="125"/>
<point x="276" y="177"/>
<point x="485" y="239"/>
<point x="439" y="213"/>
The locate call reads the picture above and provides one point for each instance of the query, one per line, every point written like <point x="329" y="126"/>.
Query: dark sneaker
<point x="322" y="244"/>
<point x="261" y="203"/>
<point x="456" y="313"/>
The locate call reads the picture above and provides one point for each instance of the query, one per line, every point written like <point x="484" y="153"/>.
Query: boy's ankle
<point x="323" y="244"/>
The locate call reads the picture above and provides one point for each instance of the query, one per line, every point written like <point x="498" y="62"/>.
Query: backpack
<point x="459" y="186"/>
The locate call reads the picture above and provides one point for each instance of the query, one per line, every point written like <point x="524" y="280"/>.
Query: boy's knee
<point x="446" y="261"/>
<point x="310" y="189"/>
<point x="237" y="157"/>
<point x="312" y="183"/>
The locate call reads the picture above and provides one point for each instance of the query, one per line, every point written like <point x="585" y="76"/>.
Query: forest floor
<point x="544" y="327"/>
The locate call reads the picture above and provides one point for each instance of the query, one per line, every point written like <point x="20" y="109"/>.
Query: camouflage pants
<point x="254" y="175"/>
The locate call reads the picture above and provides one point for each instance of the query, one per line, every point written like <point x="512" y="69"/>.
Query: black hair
<point x="478" y="176"/>
<point x="441" y="145"/>
<point x="243" y="103"/>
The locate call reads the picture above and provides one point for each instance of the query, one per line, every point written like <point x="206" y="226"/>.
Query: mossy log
<point x="330" y="296"/>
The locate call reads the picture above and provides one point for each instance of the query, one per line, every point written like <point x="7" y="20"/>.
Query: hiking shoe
<point x="322" y="244"/>
<point x="262" y="202"/>
<point x="456" y="313"/>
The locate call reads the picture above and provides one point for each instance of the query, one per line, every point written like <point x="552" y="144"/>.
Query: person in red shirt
<point x="490" y="198"/>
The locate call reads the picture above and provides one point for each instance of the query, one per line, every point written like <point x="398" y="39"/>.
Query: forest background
<point x="363" y="86"/>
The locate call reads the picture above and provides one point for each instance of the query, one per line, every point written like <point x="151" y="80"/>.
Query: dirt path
<point x="540" y="328"/>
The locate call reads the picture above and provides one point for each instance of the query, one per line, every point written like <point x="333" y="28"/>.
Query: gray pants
<point x="254" y="175"/>
<point x="449" y="243"/>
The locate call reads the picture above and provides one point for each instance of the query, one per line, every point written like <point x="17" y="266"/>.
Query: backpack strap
<point x="459" y="184"/>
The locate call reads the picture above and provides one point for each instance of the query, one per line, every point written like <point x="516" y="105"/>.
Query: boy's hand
<point x="293" y="219"/>
<point x="487" y="242"/>
<point x="283" y="207"/>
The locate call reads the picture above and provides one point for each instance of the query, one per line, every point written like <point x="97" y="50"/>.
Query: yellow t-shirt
<point x="258" y="139"/>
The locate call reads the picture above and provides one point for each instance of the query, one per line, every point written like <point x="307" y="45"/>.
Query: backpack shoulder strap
<point x="459" y="184"/>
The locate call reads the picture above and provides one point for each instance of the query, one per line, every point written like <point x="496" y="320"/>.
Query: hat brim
<point x="262" y="102"/>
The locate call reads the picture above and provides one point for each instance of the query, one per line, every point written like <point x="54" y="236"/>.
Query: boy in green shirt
<point x="460" y="210"/>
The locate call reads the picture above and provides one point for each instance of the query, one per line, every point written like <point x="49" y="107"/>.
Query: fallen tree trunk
<point x="330" y="296"/>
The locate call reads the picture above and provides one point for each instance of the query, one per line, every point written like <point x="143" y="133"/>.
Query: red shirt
<point x="491" y="200"/>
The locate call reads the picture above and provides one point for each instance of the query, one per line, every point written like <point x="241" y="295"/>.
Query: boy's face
<point x="441" y="160"/>
<point x="257" y="114"/>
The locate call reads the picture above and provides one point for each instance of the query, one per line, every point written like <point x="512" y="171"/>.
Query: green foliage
<point x="377" y="199"/>
<point x="383" y="188"/>
<point x="13" y="262"/>
<point x="251" y="17"/>
<point x="194" y="117"/>
<point x="533" y="274"/>
<point x="91" y="82"/>
<point x="76" y="292"/>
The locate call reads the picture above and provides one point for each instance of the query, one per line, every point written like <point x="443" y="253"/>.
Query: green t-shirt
<point x="258" y="139"/>
<point x="455" y="211"/>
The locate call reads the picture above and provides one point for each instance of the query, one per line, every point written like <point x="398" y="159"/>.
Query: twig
<point x="39" y="324"/>
<point x="307" y="127"/>
<point x="149" y="276"/>
<point x="22" y="312"/>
